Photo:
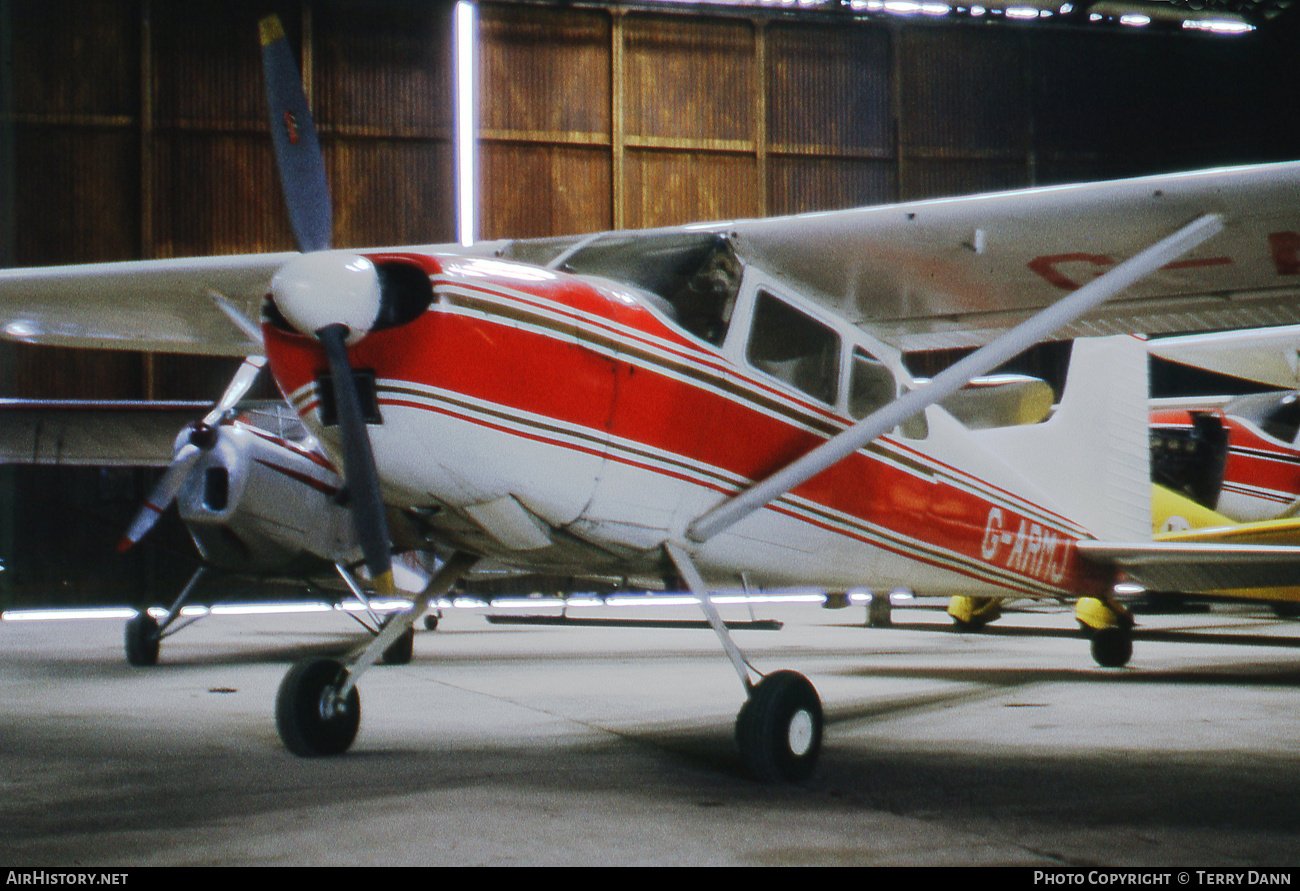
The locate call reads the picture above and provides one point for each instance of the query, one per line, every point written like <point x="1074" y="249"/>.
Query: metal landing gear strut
<point x="779" y="728"/>
<point x="143" y="634"/>
<point x="318" y="708"/>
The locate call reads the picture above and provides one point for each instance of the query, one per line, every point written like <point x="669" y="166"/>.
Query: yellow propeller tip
<point x="270" y="30"/>
<point x="385" y="586"/>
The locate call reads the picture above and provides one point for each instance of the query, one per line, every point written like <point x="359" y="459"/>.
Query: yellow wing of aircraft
<point x="1177" y="520"/>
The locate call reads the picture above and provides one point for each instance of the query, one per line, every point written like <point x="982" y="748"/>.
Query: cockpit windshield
<point x="694" y="275"/>
<point x="1277" y="414"/>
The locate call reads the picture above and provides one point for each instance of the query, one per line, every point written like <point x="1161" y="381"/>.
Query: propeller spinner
<point x="332" y="296"/>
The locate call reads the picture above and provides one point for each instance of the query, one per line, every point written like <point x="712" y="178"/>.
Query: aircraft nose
<point x="317" y="290"/>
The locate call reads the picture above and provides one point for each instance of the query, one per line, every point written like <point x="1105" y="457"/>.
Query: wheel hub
<point x="800" y="732"/>
<point x="331" y="704"/>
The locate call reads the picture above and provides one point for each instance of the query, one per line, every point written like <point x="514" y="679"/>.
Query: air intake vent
<point x="216" y="488"/>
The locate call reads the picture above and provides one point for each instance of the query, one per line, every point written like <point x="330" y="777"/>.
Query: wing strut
<point x="980" y="362"/>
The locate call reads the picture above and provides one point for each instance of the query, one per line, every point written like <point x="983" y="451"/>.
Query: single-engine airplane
<point x="709" y="402"/>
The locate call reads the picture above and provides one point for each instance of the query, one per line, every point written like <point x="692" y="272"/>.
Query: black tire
<point x="399" y="652"/>
<point x="310" y="719"/>
<point x="430" y="622"/>
<point x="1112" y="647"/>
<point x="779" y="728"/>
<point x="140" y="640"/>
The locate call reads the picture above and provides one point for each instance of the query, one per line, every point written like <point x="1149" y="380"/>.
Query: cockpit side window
<point x="871" y="384"/>
<point x="794" y="348"/>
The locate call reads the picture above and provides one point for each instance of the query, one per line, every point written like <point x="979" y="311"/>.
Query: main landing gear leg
<point x="143" y="634"/>
<point x="404" y="647"/>
<point x="318" y="708"/>
<point x="1110" y="624"/>
<point x="779" y="728"/>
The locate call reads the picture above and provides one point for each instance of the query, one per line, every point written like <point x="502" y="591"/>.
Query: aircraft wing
<point x="1267" y="356"/>
<point x="93" y="433"/>
<point x="207" y="305"/>
<point x="921" y="275"/>
<point x="957" y="272"/>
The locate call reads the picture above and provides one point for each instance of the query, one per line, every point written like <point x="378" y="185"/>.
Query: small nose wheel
<point x="141" y="640"/>
<point x="779" y="728"/>
<point x="311" y="716"/>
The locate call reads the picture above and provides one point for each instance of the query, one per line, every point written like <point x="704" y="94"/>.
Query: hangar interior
<point x="136" y="129"/>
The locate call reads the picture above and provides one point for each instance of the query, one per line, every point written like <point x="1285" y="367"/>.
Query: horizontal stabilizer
<point x="1201" y="568"/>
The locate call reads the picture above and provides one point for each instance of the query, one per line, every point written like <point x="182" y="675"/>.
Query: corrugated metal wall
<point x="137" y="131"/>
<point x="544" y="121"/>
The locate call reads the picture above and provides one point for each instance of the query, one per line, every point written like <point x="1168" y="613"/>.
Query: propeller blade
<point x="297" y="150"/>
<point x="240" y="384"/>
<point x="326" y="296"/>
<point x="163" y="494"/>
<point x="366" y="501"/>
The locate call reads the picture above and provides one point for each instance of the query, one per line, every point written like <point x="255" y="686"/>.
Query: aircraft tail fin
<point x="1092" y="457"/>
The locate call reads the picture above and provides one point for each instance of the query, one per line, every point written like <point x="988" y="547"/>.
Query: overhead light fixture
<point x="466" y="129"/>
<point x="1218" y="26"/>
<point x="1137" y="15"/>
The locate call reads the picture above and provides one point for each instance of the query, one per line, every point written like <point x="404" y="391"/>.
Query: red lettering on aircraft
<point x="1046" y="267"/>
<point x="1285" y="247"/>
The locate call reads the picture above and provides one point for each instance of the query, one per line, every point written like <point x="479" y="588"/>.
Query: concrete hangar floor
<point x="542" y="744"/>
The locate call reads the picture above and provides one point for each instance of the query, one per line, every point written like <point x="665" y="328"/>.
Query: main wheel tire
<point x="1112" y="647"/>
<point x="310" y="717"/>
<point x="779" y="728"/>
<point x="140" y="640"/>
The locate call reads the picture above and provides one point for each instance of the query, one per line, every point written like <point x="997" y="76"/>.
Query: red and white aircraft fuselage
<point x="561" y="412"/>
